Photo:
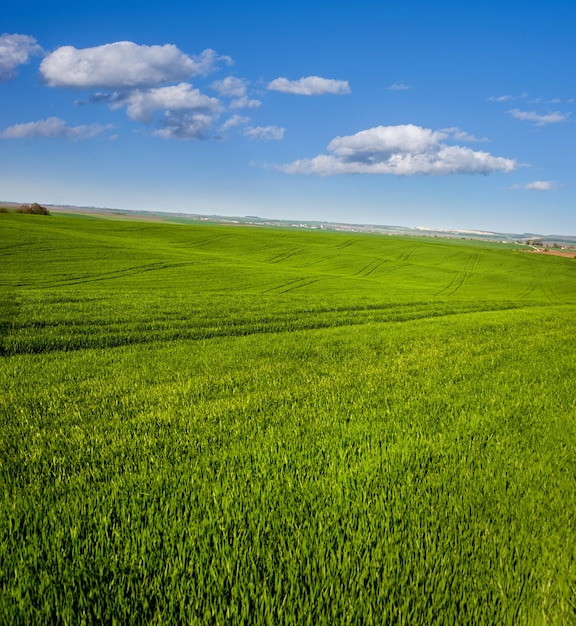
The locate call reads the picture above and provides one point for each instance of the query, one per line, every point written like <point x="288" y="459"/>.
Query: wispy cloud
<point x="234" y="121"/>
<point x="542" y="185"/>
<point x="310" y="86"/>
<point x="264" y="133"/>
<point x="402" y="150"/>
<point x="16" y="50"/>
<point x="506" y="98"/>
<point x="399" y="86"/>
<point x="555" y="117"/>
<point x="461" y="135"/>
<point x="538" y="185"/>
<point x="54" y="127"/>
<point x="543" y="101"/>
<point x="123" y="65"/>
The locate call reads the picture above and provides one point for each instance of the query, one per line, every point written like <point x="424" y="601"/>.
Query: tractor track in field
<point x="527" y="292"/>
<point x="461" y="277"/>
<point x="345" y="244"/>
<point x="377" y="266"/>
<point x="547" y="288"/>
<point x="292" y="285"/>
<point x="405" y="256"/>
<point x="214" y="329"/>
<point x="449" y="257"/>
<point x="369" y="268"/>
<point x="392" y="266"/>
<point x="201" y="243"/>
<point x="130" y="271"/>
<point x="541" y="283"/>
<point x="305" y="283"/>
<point x="283" y="256"/>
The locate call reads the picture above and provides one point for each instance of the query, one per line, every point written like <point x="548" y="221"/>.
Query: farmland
<point x="214" y="424"/>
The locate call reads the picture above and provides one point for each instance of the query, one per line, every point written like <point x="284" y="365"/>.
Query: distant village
<point x="535" y="241"/>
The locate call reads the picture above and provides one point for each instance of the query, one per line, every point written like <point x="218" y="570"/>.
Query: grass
<point x="208" y="424"/>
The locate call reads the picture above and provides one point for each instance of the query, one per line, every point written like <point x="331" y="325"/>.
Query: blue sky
<point x="441" y="114"/>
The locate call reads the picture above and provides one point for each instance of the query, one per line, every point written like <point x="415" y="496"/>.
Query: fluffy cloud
<point x="368" y="145"/>
<point x="15" y="50"/>
<point x="141" y="104"/>
<point x="245" y="103"/>
<point x="539" y="120"/>
<point x="265" y="132"/>
<point x="122" y="65"/>
<point x="232" y="87"/>
<point x="310" y="86"/>
<point x="185" y="126"/>
<point x="403" y="150"/>
<point x="53" y="127"/>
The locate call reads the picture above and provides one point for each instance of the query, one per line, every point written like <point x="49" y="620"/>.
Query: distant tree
<point x="4" y="209"/>
<point x="33" y="209"/>
<point x="38" y="209"/>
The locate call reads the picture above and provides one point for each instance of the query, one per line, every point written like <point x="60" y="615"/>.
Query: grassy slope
<point x="206" y="424"/>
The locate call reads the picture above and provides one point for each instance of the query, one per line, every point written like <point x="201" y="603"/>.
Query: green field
<point x="203" y="424"/>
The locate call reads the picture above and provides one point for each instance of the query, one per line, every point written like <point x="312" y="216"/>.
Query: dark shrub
<point x="34" y="209"/>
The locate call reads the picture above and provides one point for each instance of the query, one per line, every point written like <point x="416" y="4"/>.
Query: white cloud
<point x="461" y="135"/>
<point x="537" y="185"/>
<point x="233" y="121"/>
<point x="541" y="185"/>
<point x="265" y="132"/>
<point x="230" y="86"/>
<point x="141" y="104"/>
<point x="310" y="86"/>
<point x="540" y="120"/>
<point x="500" y="98"/>
<point x="15" y="50"/>
<point x="399" y="86"/>
<point x="53" y="127"/>
<point x="123" y="65"/>
<point x="185" y="126"/>
<point x="245" y="103"/>
<point x="385" y="140"/>
<point x="402" y="150"/>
